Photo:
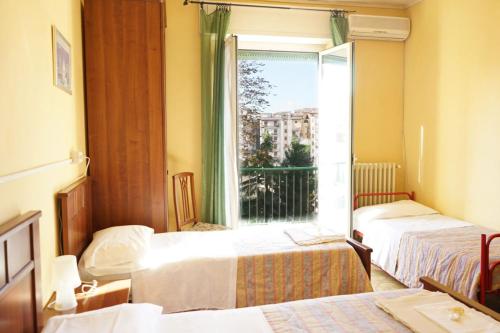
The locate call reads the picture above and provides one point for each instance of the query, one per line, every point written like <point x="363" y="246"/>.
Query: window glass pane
<point x="278" y="106"/>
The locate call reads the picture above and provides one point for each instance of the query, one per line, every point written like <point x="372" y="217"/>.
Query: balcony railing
<point x="281" y="194"/>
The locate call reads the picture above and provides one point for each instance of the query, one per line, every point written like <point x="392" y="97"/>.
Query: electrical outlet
<point x="77" y="157"/>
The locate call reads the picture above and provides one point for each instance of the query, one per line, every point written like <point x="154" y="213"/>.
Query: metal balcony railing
<point x="281" y="194"/>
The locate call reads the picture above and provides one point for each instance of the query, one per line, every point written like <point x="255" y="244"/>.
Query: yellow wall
<point x="183" y="95"/>
<point x="39" y="123"/>
<point x="452" y="85"/>
<point x="378" y="103"/>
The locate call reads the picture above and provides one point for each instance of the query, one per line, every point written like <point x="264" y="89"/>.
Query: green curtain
<point x="213" y="32"/>
<point x="339" y="28"/>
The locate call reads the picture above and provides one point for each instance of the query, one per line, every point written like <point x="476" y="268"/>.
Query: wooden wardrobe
<point x="125" y="102"/>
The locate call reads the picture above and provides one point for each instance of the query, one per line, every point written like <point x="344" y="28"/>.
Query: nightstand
<point x="108" y="293"/>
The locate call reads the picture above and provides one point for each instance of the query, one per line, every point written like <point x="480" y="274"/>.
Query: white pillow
<point x="123" y="318"/>
<point x="402" y="208"/>
<point x="123" y="245"/>
<point x="112" y="272"/>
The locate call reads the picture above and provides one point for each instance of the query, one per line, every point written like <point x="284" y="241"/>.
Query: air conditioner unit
<point x="379" y="27"/>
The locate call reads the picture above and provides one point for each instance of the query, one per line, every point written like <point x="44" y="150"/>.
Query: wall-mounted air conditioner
<point x="379" y="27"/>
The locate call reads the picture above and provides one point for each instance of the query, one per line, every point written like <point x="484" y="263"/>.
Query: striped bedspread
<point x="274" y="273"/>
<point x="450" y="256"/>
<point x="354" y="313"/>
<point x="242" y="268"/>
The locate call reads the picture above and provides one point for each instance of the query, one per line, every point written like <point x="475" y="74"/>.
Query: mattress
<point x="441" y="247"/>
<point x="420" y="310"/>
<point x="273" y="269"/>
<point x="270" y="268"/>
<point x="348" y="313"/>
<point x="384" y="235"/>
<point x="450" y="256"/>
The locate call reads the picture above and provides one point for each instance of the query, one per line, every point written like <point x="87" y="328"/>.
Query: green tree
<point x="263" y="157"/>
<point x="254" y="90"/>
<point x="298" y="155"/>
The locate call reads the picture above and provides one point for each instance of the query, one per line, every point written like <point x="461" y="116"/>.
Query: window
<point x="280" y="87"/>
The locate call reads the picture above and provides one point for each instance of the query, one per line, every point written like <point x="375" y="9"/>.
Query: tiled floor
<point x="383" y="281"/>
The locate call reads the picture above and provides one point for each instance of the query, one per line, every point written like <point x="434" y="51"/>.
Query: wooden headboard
<point x="75" y="217"/>
<point x="20" y="288"/>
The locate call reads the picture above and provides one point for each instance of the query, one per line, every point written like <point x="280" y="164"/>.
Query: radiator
<point x="374" y="178"/>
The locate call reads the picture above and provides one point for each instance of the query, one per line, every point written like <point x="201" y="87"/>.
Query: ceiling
<point x="373" y="3"/>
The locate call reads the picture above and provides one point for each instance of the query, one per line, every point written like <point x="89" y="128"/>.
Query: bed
<point x="368" y="312"/>
<point x="20" y="276"/>
<point x="224" y="269"/>
<point x="410" y="240"/>
<point x="21" y="307"/>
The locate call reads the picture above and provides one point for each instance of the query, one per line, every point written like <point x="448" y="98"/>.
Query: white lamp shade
<point x="65" y="273"/>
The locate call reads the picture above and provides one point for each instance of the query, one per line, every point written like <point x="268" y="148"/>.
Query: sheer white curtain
<point x="231" y="132"/>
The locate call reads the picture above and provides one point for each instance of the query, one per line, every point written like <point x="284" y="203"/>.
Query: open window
<point x="293" y="129"/>
<point x="335" y="141"/>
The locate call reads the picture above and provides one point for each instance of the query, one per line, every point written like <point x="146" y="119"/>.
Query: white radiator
<point x="374" y="178"/>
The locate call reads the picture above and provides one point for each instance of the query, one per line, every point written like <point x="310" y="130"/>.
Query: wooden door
<point x="125" y="94"/>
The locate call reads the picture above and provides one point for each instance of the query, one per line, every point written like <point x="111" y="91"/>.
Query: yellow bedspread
<point x="270" y="272"/>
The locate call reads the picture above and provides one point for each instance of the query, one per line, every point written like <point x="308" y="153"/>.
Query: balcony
<point x="280" y="194"/>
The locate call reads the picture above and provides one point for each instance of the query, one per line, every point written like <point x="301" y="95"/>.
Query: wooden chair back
<point x="184" y="199"/>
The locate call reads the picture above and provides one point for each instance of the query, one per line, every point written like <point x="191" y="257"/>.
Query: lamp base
<point x="65" y="299"/>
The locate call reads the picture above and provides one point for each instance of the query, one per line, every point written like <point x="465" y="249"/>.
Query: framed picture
<point x="61" y="53"/>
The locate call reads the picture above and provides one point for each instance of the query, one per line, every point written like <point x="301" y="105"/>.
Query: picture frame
<point x="61" y="54"/>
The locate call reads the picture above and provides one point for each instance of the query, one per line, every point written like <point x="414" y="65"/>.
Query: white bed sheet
<point x="384" y="235"/>
<point x="258" y="239"/>
<point x="244" y="320"/>
<point x="187" y="271"/>
<point x="122" y="318"/>
<point x="198" y="270"/>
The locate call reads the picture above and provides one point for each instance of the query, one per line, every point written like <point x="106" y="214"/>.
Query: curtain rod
<point x="187" y="2"/>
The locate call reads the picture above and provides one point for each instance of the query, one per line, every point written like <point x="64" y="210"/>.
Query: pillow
<point x="112" y="272"/>
<point x="403" y="208"/>
<point x="123" y="245"/>
<point x="123" y="318"/>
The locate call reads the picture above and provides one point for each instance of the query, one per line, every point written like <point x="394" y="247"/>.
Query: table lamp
<point x="64" y="280"/>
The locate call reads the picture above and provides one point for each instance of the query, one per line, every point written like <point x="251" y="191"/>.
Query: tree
<point x="298" y="155"/>
<point x="253" y="92"/>
<point x="263" y="155"/>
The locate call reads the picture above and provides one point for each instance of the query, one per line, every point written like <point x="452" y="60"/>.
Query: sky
<point x="295" y="84"/>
